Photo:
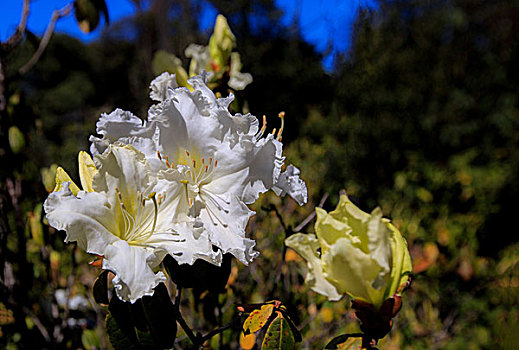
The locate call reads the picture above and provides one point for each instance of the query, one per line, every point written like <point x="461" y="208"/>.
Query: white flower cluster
<point x="178" y="183"/>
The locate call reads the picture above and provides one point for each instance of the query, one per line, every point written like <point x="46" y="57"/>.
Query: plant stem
<point x="194" y="339"/>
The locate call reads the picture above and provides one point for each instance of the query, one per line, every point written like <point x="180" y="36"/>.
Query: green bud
<point x="16" y="139"/>
<point x="221" y="43"/>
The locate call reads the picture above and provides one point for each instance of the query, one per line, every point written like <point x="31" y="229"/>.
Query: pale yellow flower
<point x="355" y="253"/>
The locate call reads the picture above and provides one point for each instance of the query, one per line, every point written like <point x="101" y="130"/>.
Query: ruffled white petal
<point x="124" y="168"/>
<point x="86" y="218"/>
<point x="290" y="183"/>
<point x="160" y="85"/>
<point x="186" y="242"/>
<point x="89" y="220"/>
<point x="134" y="277"/>
<point x="247" y="173"/>
<point x="225" y="218"/>
<point x="125" y="127"/>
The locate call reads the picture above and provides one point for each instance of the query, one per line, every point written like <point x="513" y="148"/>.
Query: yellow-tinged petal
<point x="307" y="246"/>
<point x="356" y="219"/>
<point x="61" y="177"/>
<point x="87" y="170"/>
<point x="353" y="272"/>
<point x="402" y="266"/>
<point x="361" y="254"/>
<point x="329" y="229"/>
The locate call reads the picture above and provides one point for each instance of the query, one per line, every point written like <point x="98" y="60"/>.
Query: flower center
<point x="139" y="218"/>
<point x="197" y="171"/>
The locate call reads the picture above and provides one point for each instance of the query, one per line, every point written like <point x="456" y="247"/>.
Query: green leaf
<point x="90" y="339"/>
<point x="16" y="139"/>
<point x="100" y="288"/>
<point x="160" y="314"/>
<point x="351" y="344"/>
<point x="149" y="322"/>
<point x="257" y="319"/>
<point x="297" y="335"/>
<point x="118" y="338"/>
<point x="120" y="325"/>
<point x="279" y="335"/>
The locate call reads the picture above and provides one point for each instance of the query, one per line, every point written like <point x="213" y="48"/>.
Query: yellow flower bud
<point x="362" y="255"/>
<point x="221" y="42"/>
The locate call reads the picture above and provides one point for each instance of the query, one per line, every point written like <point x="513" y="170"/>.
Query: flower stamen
<point x="281" y="115"/>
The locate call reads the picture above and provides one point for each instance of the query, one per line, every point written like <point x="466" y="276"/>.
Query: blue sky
<point x="324" y="23"/>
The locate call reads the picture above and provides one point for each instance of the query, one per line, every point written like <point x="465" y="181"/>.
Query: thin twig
<point x="219" y="330"/>
<point x="273" y="208"/>
<point x="57" y="14"/>
<point x="216" y="331"/>
<point x="8" y="45"/>
<point x="18" y="34"/>
<point x="194" y="339"/>
<point x="38" y="324"/>
<point x="288" y="232"/>
<point x="198" y="340"/>
<point x="309" y="218"/>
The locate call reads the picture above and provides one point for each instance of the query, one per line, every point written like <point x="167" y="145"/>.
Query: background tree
<point x="425" y="121"/>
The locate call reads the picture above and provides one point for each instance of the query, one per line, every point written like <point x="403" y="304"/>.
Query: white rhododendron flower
<point x="221" y="162"/>
<point x="124" y="214"/>
<point x="355" y="253"/>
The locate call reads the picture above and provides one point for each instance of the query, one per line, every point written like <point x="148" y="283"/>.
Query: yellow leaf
<point x="257" y="319"/>
<point x="247" y="341"/>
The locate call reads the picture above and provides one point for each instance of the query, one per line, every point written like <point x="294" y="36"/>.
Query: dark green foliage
<point x="100" y="288"/>
<point x="201" y="276"/>
<point x="150" y="322"/>
<point x="425" y="124"/>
